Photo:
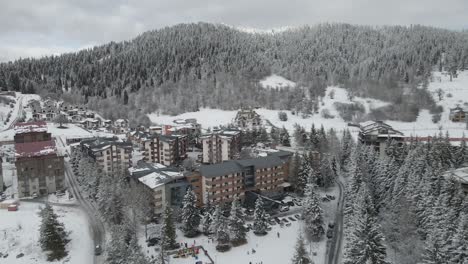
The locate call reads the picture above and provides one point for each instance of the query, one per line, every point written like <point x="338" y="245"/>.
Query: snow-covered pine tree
<point x="260" y="224"/>
<point x="274" y="135"/>
<point x="461" y="156"/>
<point x="53" y="237"/>
<point x="303" y="174"/>
<point x="216" y="219"/>
<point x="190" y="214"/>
<point x="312" y="214"/>
<point x="459" y="247"/>
<point x="347" y="144"/>
<point x="300" y="254"/>
<point x="168" y="232"/>
<point x="236" y="223"/>
<point x="368" y="242"/>
<point x="284" y="137"/>
<point x="222" y="234"/>
<point x="326" y="175"/>
<point x="206" y="221"/>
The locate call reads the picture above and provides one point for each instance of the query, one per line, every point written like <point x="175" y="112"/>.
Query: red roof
<point x="38" y="126"/>
<point x="35" y="149"/>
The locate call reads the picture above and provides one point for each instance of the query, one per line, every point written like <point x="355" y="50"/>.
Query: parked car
<point x="284" y="209"/>
<point x="298" y="216"/>
<point x="97" y="250"/>
<point x="288" y="224"/>
<point x="330" y="233"/>
<point x="277" y="220"/>
<point x="292" y="218"/>
<point x="290" y="203"/>
<point x="331" y="225"/>
<point x="152" y="241"/>
<point x="331" y="197"/>
<point x="285" y="220"/>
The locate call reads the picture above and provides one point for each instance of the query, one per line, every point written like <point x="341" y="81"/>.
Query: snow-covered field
<point x="19" y="233"/>
<point x="275" y="81"/>
<point x="423" y="126"/>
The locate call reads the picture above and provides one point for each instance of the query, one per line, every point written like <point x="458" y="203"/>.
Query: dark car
<point x="97" y="250"/>
<point x="292" y="218"/>
<point x="277" y="220"/>
<point x="330" y="233"/>
<point x="298" y="216"/>
<point x="290" y="203"/>
<point x="152" y="241"/>
<point x="331" y="225"/>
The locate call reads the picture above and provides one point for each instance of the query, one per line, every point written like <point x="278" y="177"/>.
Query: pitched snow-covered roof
<point x="35" y="149"/>
<point x="461" y="175"/>
<point x="38" y="126"/>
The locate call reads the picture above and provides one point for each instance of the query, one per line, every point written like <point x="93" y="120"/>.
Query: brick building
<point x="31" y="132"/>
<point x="39" y="169"/>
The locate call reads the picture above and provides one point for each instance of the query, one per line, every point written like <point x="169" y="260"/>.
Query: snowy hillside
<point x="275" y="81"/>
<point x="455" y="92"/>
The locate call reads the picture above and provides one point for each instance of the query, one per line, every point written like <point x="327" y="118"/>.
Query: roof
<point x="220" y="169"/>
<point x="378" y="126"/>
<point x="237" y="166"/>
<point x="154" y="175"/>
<point x="38" y="126"/>
<point x="101" y="143"/>
<point x="461" y="175"/>
<point x="35" y="149"/>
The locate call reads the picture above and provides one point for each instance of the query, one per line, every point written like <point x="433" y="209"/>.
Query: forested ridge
<point x="187" y="66"/>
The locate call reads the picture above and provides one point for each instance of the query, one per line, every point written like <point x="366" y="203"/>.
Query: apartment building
<point x="223" y="182"/>
<point x="220" y="146"/>
<point x="39" y="169"/>
<point x="166" y="150"/>
<point x="378" y="134"/>
<point x="247" y="118"/>
<point x="111" y="154"/>
<point x="31" y="132"/>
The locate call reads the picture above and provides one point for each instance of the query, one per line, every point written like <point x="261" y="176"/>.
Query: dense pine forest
<point x="188" y="66"/>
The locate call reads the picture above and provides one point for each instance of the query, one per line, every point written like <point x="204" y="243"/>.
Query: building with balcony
<point x="223" y="182"/>
<point x="378" y="134"/>
<point x="220" y="146"/>
<point x="111" y="154"/>
<point x="166" y="150"/>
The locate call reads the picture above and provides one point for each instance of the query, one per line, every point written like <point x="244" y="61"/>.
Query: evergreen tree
<point x="274" y="135"/>
<point x="326" y="175"/>
<point x="236" y="223"/>
<point x="300" y="253"/>
<point x="206" y="221"/>
<point x="284" y="137"/>
<point x="53" y="237"/>
<point x="190" y="214"/>
<point x="312" y="215"/>
<point x="168" y="232"/>
<point x="368" y="242"/>
<point x="461" y="156"/>
<point x="346" y="147"/>
<point x="303" y="175"/>
<point x="260" y="224"/>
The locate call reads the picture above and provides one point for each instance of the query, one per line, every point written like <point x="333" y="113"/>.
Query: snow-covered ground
<point x="423" y="126"/>
<point x="19" y="233"/>
<point x="275" y="81"/>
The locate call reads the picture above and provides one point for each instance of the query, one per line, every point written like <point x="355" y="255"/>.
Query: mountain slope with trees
<point x="188" y="66"/>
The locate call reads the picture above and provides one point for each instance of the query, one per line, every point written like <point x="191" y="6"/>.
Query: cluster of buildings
<point x="215" y="183"/>
<point x="49" y="110"/>
<point x="39" y="168"/>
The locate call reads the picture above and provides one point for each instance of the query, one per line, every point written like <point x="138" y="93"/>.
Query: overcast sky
<point x="40" y="27"/>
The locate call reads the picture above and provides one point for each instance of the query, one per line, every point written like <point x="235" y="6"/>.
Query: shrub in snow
<point x="325" y="113"/>
<point x="283" y="116"/>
